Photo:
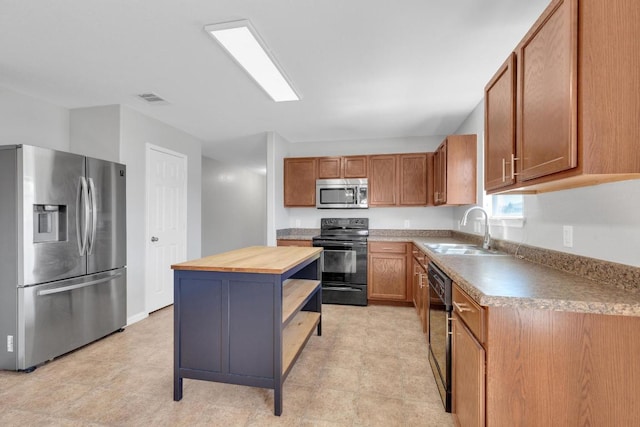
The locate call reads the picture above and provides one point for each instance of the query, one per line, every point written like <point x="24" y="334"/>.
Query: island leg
<point x="277" y="400"/>
<point x="318" y="309"/>
<point x="177" y="380"/>
<point x="177" y="388"/>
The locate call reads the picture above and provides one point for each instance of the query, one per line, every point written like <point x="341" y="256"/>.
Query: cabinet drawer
<point x="420" y="256"/>
<point x="388" y="247"/>
<point x="293" y="242"/>
<point x="470" y="312"/>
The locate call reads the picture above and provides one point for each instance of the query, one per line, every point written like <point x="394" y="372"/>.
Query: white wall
<point x="605" y="217"/>
<point x="365" y="146"/>
<point x="432" y="218"/>
<point x="136" y="131"/>
<point x="95" y="132"/>
<point x="27" y="120"/>
<point x="420" y="218"/>
<point x="234" y="209"/>
<point x="277" y="214"/>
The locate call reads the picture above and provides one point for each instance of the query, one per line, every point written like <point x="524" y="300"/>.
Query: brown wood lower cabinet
<point x="389" y="272"/>
<point x="420" y="290"/>
<point x="467" y="362"/>
<point x="468" y="376"/>
<point x="293" y="242"/>
<point x="544" y="367"/>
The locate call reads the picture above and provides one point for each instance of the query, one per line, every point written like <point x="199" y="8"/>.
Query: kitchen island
<point x="243" y="317"/>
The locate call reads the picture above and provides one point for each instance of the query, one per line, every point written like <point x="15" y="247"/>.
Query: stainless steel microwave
<point x="342" y="193"/>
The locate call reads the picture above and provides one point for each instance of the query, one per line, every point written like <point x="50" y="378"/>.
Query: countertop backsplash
<point x="297" y="233"/>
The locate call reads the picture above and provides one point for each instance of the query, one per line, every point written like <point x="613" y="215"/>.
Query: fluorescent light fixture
<point x="243" y="43"/>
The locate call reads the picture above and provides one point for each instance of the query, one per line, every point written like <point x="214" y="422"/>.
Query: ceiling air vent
<point x="152" y="98"/>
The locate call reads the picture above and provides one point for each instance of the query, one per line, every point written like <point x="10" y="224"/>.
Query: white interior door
<point x="166" y="222"/>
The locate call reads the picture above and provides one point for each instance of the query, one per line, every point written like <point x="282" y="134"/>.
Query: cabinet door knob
<point x="154" y="239"/>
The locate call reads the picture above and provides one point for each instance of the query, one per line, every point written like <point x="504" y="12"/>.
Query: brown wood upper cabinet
<point x="342" y="167"/>
<point x="300" y="181"/>
<point x="500" y="126"/>
<point x="383" y="180"/>
<point x="354" y="166"/>
<point x="573" y="85"/>
<point x="413" y="170"/>
<point x="394" y="179"/>
<point x="329" y="167"/>
<point x="398" y="180"/>
<point x="454" y="181"/>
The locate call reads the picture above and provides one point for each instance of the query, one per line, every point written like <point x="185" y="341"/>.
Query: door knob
<point x="154" y="239"/>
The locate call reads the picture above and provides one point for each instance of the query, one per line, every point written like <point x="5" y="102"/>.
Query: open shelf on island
<point x="295" y="335"/>
<point x="295" y="294"/>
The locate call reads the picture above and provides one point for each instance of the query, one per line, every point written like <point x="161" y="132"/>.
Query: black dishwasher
<point x="440" y="309"/>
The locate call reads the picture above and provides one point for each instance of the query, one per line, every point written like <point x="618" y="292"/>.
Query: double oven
<point x="344" y="260"/>
<point x="440" y="311"/>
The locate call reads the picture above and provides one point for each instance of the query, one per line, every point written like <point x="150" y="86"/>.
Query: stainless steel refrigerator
<point x="62" y="253"/>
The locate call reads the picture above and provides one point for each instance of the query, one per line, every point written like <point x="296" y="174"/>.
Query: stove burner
<point x="344" y="227"/>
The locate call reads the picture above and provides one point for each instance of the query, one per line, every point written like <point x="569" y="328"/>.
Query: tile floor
<point x="369" y="368"/>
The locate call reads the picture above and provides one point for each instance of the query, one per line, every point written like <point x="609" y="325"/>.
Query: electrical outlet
<point x="407" y="223"/>
<point x="297" y="223"/>
<point x="567" y="236"/>
<point x="10" y="343"/>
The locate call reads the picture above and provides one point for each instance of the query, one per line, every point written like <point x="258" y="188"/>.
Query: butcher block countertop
<point x="254" y="259"/>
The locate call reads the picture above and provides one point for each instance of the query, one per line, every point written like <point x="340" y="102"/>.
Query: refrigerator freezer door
<point x="108" y="232"/>
<point x="51" y="204"/>
<point x="62" y="316"/>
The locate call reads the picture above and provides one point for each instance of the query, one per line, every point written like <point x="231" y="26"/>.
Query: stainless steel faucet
<point x="486" y="242"/>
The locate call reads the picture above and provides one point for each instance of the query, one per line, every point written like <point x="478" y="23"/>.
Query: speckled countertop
<point x="500" y="281"/>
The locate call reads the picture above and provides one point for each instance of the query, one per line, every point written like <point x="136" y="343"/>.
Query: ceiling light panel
<point x="243" y="43"/>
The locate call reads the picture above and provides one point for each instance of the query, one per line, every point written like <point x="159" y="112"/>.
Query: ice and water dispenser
<point x="49" y="223"/>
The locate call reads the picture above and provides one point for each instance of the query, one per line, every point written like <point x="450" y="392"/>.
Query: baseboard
<point x="136" y="318"/>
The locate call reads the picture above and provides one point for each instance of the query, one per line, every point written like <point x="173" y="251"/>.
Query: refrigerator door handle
<point x="82" y="198"/>
<point x="94" y="216"/>
<point x="79" y="285"/>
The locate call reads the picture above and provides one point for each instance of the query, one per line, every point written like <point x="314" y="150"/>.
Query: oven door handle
<point x="341" y="289"/>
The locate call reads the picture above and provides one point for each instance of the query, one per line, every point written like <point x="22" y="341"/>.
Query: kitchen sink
<point x="461" y="249"/>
